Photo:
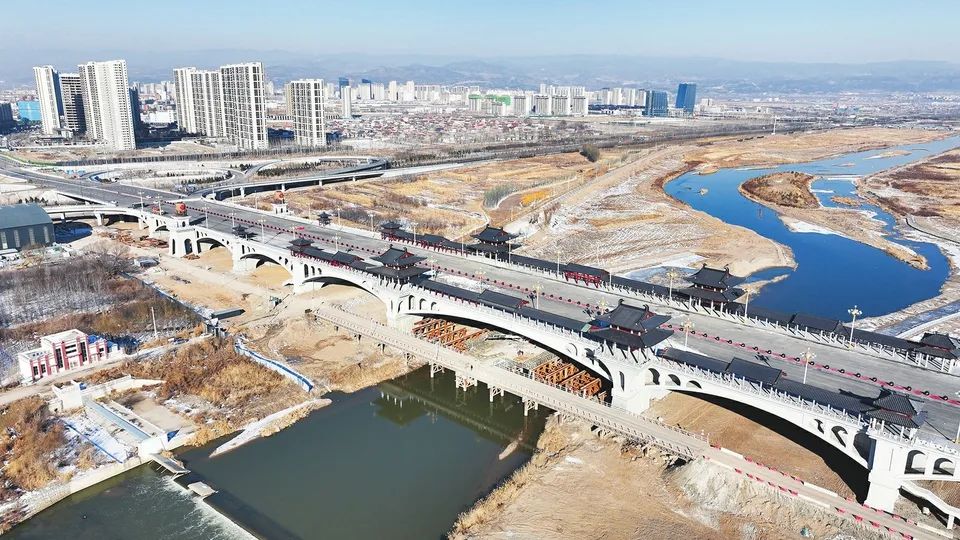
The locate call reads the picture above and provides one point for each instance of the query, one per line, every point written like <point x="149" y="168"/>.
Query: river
<point x="833" y="272"/>
<point x="400" y="460"/>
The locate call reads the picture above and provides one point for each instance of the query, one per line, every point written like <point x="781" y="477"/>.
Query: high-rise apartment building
<point x="244" y="109"/>
<point x="183" y="87"/>
<point x="521" y="105"/>
<point x="541" y="105"/>
<point x="106" y="103"/>
<point x="306" y="104"/>
<point x="208" y="108"/>
<point x="346" y="96"/>
<point x="686" y="97"/>
<point x="48" y="93"/>
<point x="71" y="98"/>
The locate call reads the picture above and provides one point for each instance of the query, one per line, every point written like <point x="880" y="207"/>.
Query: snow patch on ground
<point x="797" y="226"/>
<point x="81" y="427"/>
<point x="460" y="281"/>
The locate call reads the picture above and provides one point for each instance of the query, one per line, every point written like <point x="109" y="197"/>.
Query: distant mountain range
<point x="594" y="71"/>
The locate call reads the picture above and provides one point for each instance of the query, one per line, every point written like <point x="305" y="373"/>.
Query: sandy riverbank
<point x="580" y="486"/>
<point x="925" y="198"/>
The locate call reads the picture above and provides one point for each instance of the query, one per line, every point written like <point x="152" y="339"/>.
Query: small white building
<point x="63" y="352"/>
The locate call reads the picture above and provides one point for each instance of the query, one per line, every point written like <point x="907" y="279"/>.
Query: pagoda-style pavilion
<point x="398" y="265"/>
<point x="323" y="219"/>
<point x="713" y="285"/>
<point x="630" y="327"/>
<point x="493" y="242"/>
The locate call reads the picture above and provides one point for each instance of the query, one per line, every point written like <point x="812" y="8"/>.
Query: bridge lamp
<point x="687" y="326"/>
<point x="807" y="358"/>
<point x="336" y="242"/>
<point x="672" y="274"/>
<point x="140" y="193"/>
<point x="854" y="313"/>
<point x="480" y="274"/>
<point x="262" y="229"/>
<point x="205" y="208"/>
<point x="233" y="221"/>
<point x="538" y="289"/>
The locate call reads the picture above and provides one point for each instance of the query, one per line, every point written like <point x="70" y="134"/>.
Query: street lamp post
<point x="807" y="357"/>
<point x="746" y="306"/>
<point x="140" y="193"/>
<point x="336" y="242"/>
<point x="538" y="289"/>
<point x="854" y="313"/>
<point x="413" y="225"/>
<point x="205" y="216"/>
<point x="687" y="328"/>
<point x="339" y="221"/>
<point x="262" y="230"/>
<point x="480" y="274"/>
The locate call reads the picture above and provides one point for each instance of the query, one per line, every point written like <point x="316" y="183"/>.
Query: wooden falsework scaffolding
<point x="446" y="333"/>
<point x="570" y="377"/>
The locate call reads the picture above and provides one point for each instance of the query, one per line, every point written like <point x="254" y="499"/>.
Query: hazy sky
<point x="807" y="31"/>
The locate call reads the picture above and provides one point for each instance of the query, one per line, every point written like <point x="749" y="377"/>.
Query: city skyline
<point x="451" y="31"/>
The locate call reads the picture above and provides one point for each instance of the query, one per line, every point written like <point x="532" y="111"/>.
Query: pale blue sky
<point x="807" y="31"/>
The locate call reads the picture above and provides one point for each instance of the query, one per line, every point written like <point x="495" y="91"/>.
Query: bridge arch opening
<point x="840" y="435"/>
<point x="916" y="462"/>
<point x="693" y="384"/>
<point x="209" y="243"/>
<point x="187" y="246"/>
<point x="776" y="437"/>
<point x="672" y="381"/>
<point x="944" y="467"/>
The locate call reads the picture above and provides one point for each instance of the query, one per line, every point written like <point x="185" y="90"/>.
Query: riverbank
<point x="925" y="199"/>
<point x="802" y="211"/>
<point x="578" y="485"/>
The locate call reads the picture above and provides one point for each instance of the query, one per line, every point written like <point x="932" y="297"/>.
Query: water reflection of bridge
<point x="407" y="398"/>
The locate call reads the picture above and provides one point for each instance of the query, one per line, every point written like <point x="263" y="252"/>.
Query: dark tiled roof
<point x="713" y="277"/>
<point x="754" y="371"/>
<point x="941" y="341"/>
<point x="390" y="225"/>
<point x="343" y="257"/>
<point x="397" y="257"/>
<point x="450" y="290"/>
<point x="632" y="318"/>
<point x="891" y="417"/>
<point x="694" y="359"/>
<point x="583" y="269"/>
<point x="820" y="324"/>
<point x="642" y="286"/>
<point x="645" y="340"/>
<point x="532" y="262"/>
<point x="300" y="242"/>
<point x="892" y="401"/>
<point x="494" y="235"/>
<point x="728" y="295"/>
<point x="401" y="273"/>
<point x="495" y="299"/>
<point x="551" y="318"/>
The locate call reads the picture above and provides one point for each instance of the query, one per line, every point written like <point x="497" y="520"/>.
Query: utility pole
<point x="746" y="306"/>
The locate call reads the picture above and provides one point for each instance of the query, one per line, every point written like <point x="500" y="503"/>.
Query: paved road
<point x="621" y="421"/>
<point x="943" y="418"/>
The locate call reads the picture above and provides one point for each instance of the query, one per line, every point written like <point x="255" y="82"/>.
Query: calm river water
<point x="833" y="272"/>
<point x="400" y="460"/>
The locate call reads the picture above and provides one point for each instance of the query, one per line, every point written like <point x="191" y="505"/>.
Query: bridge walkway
<point x="629" y="424"/>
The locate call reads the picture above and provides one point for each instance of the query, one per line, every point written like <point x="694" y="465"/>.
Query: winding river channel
<point x="833" y="272"/>
<point x="403" y="459"/>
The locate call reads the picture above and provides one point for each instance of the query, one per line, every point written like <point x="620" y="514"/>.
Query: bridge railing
<point x="758" y="389"/>
<point x="513" y="368"/>
<point x="502" y="379"/>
